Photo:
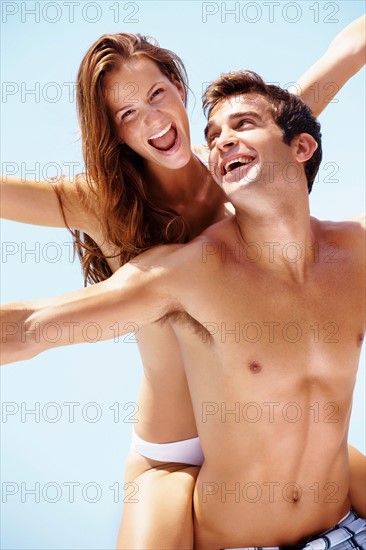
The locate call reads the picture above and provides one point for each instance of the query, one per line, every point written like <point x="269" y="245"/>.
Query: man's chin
<point x="235" y="185"/>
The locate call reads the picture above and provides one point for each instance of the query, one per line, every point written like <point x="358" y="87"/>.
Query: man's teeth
<point x="239" y="161"/>
<point x="162" y="133"/>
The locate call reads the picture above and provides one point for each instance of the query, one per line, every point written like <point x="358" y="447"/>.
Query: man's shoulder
<point x="217" y="234"/>
<point x="354" y="226"/>
<point x="171" y="256"/>
<point x="159" y="256"/>
<point x="167" y="257"/>
<point x="202" y="152"/>
<point x="359" y="220"/>
<point x="349" y="234"/>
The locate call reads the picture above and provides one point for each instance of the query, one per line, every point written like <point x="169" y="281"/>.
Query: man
<point x="268" y="308"/>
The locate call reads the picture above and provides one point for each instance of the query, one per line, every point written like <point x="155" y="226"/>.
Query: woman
<point x="143" y="187"/>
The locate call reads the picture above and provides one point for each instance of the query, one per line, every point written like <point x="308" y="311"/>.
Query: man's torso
<point x="271" y="365"/>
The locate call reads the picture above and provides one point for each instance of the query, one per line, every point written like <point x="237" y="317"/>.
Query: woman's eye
<point x="126" y="114"/>
<point x="156" y="92"/>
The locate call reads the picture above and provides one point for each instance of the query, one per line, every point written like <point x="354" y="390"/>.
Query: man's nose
<point x="226" y="140"/>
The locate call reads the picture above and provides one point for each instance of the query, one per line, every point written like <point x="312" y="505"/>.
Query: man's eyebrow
<point x="232" y="117"/>
<point x="239" y="114"/>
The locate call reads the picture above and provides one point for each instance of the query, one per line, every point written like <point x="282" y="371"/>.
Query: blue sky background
<point x="103" y="378"/>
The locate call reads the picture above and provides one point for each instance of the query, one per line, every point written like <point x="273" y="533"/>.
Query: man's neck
<point x="282" y="233"/>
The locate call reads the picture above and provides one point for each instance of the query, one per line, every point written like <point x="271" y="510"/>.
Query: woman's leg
<point x="357" y="481"/>
<point x="157" y="510"/>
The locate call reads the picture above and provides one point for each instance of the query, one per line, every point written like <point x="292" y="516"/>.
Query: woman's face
<point x="149" y="113"/>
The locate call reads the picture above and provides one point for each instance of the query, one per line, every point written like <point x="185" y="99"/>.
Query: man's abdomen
<point x="267" y="502"/>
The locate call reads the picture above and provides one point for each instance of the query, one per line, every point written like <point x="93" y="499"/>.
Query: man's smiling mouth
<point x="234" y="163"/>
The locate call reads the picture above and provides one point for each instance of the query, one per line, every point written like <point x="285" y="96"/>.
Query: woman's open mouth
<point x="167" y="140"/>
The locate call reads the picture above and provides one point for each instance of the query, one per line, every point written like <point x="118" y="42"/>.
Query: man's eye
<point x="211" y="140"/>
<point x="243" y="122"/>
<point x="156" y="93"/>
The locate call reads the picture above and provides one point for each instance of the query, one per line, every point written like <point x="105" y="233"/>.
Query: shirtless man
<point x="271" y="355"/>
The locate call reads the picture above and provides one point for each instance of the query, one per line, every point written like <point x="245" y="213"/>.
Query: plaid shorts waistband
<point x="349" y="533"/>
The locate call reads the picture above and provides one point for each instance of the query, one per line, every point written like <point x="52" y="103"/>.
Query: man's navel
<point x="255" y="367"/>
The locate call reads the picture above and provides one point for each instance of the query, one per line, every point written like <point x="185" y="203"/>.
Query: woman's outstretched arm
<point x="36" y="202"/>
<point x="344" y="57"/>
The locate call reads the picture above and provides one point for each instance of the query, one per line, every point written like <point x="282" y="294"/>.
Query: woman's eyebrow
<point x="153" y="86"/>
<point x="133" y="102"/>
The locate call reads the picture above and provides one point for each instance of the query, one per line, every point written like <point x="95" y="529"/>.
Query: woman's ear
<point x="180" y="89"/>
<point x="303" y="146"/>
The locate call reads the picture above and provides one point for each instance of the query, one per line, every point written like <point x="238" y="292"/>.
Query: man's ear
<point x="303" y="146"/>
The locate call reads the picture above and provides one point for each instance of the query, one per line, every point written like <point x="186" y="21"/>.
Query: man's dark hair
<point x="289" y="112"/>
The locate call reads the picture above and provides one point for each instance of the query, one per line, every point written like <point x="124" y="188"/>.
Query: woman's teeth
<point x="166" y="139"/>
<point x="160" y="134"/>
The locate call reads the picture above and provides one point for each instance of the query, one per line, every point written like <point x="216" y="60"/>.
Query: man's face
<point x="246" y="146"/>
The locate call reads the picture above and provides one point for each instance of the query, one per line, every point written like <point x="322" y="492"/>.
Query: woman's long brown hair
<point x="130" y="221"/>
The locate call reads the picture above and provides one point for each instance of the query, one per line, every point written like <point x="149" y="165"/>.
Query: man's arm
<point x="343" y="58"/>
<point x="134" y="296"/>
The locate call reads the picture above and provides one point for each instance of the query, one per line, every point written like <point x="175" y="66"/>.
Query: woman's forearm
<point x="343" y="58"/>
